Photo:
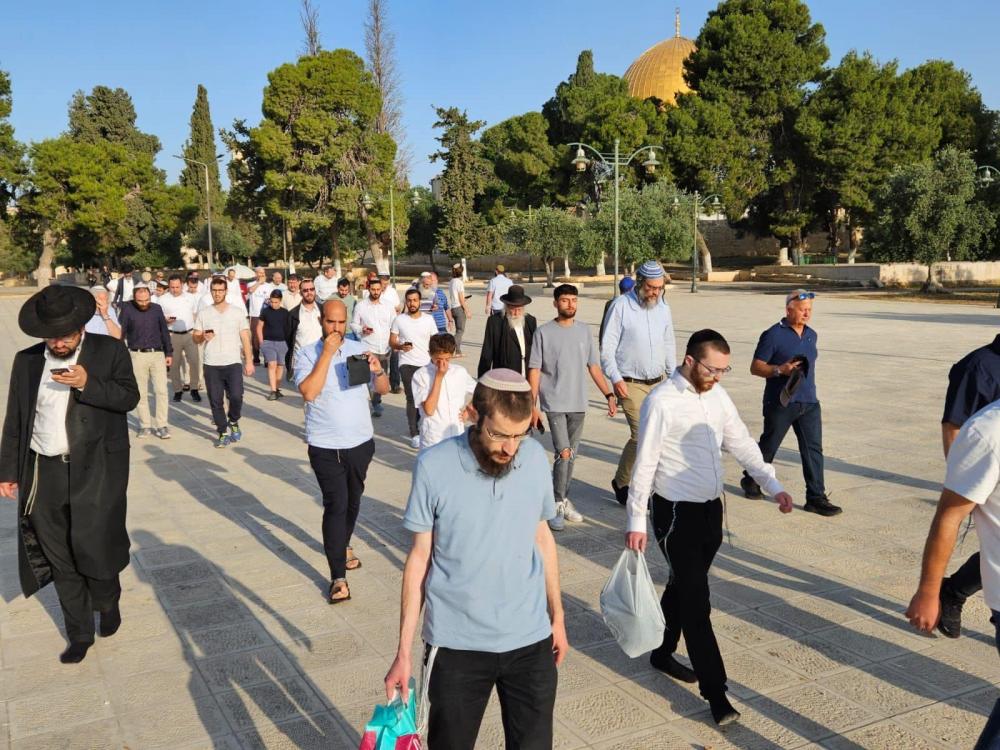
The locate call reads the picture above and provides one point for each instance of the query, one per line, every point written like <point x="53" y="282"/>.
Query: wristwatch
<point x="609" y="396"/>
<point x="776" y="371"/>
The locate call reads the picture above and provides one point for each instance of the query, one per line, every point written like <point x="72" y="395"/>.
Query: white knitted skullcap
<point x="502" y="379"/>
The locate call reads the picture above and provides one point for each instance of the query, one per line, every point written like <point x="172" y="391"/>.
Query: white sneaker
<point x="415" y="442"/>
<point x="559" y="522"/>
<point x="570" y="513"/>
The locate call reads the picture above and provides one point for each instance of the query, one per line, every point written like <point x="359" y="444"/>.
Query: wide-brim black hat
<point x="56" y="311"/>
<point x="515" y="296"/>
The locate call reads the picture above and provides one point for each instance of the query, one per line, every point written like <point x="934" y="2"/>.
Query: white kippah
<point x="503" y="379"/>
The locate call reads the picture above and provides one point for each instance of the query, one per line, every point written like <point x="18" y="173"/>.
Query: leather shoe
<point x="178" y="395"/>
<point x="110" y="621"/>
<point x="669" y="665"/>
<point x="723" y="711"/>
<point x="822" y="507"/>
<point x="195" y="396"/>
<point x="751" y="490"/>
<point x="621" y="493"/>
<point x="950" y="621"/>
<point x="76" y="653"/>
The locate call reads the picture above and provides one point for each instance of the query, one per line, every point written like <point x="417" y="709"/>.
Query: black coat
<point x="500" y="346"/>
<point x="99" y="449"/>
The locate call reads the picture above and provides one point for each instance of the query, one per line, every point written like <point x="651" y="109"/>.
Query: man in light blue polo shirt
<point x="483" y="562"/>
<point x="340" y="435"/>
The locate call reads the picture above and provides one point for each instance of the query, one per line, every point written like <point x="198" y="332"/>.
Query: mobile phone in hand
<point x="209" y="330"/>
<point x="59" y="370"/>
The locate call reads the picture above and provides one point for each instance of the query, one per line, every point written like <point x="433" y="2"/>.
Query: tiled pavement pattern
<point x="227" y="642"/>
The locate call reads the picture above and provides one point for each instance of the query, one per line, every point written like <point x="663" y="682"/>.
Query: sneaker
<point x="822" y="507"/>
<point x="950" y="621"/>
<point x="223" y="440"/>
<point x="751" y="490"/>
<point x="163" y="433"/>
<point x="272" y="396"/>
<point x="377" y="410"/>
<point x="144" y="432"/>
<point x="570" y="513"/>
<point x="195" y="396"/>
<point x="559" y="522"/>
<point x="235" y="433"/>
<point x="415" y="442"/>
<point x="178" y="395"/>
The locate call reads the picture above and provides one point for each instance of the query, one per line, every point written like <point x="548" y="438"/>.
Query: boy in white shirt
<point x="442" y="392"/>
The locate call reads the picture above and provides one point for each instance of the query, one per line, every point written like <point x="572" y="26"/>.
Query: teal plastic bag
<point x="394" y="725"/>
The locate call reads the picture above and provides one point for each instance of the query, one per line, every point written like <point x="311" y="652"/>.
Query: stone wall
<point x="956" y="273"/>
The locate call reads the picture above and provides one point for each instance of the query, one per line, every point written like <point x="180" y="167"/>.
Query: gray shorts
<point x="274" y="351"/>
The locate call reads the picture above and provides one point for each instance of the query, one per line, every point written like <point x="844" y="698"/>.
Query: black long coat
<point x="99" y="448"/>
<point x="500" y="345"/>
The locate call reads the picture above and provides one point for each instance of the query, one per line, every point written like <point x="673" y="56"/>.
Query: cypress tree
<point x="201" y="147"/>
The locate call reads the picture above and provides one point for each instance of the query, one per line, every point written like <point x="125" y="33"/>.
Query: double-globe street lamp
<point x="208" y="204"/>
<point x="698" y="202"/>
<point x="612" y="163"/>
<point x="368" y="201"/>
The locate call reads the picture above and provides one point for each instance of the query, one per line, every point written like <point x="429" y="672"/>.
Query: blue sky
<point x="492" y="59"/>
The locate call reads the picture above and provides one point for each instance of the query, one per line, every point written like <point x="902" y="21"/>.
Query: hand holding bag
<point x="631" y="607"/>
<point x="394" y="725"/>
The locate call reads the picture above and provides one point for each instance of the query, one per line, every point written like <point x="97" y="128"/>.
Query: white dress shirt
<point x="679" y="456"/>
<point x="49" y="437"/>
<point x="291" y="300"/>
<point x="234" y="294"/>
<point x="181" y="306"/>
<point x="310" y="330"/>
<point x="375" y="315"/>
<point x="325" y="288"/>
<point x="445" y="422"/>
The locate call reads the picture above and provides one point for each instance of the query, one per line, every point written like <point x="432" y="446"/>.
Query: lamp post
<point x="208" y="204"/>
<point x="368" y="201"/>
<point x="613" y="162"/>
<point x="698" y="202"/>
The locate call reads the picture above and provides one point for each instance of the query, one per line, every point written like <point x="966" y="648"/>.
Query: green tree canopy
<point x="523" y="159"/>
<point x="108" y="115"/>
<point x="12" y="166"/>
<point x="550" y="234"/>
<point x="200" y="147"/>
<point x="425" y="219"/>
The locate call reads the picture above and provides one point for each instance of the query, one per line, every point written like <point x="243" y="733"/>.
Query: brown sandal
<point x="353" y="563"/>
<point x="338" y="587"/>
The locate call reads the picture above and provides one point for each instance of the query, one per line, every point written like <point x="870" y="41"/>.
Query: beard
<point x="565" y="314"/>
<point x="515" y="322"/>
<point x="57" y="355"/>
<point x="484" y="457"/>
<point x="649" y="304"/>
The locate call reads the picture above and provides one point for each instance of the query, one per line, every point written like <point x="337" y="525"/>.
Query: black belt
<point x="61" y="458"/>
<point x="180" y="333"/>
<point x="640" y="381"/>
<point x="145" y="351"/>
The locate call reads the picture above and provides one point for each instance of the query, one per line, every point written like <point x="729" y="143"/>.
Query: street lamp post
<point x="698" y="202"/>
<point x="208" y="204"/>
<point x="614" y="161"/>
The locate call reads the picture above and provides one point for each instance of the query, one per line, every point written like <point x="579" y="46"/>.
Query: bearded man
<point x="65" y="455"/>
<point x="507" y="341"/>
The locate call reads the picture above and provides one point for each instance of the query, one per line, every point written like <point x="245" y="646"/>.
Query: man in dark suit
<point x="64" y="454"/>
<point x="507" y="341"/>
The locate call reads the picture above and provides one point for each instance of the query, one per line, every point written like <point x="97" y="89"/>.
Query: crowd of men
<point x="485" y="581"/>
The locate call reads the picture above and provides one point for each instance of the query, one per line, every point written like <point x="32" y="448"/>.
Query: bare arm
<point x="313" y="383"/>
<point x="547" y="546"/>
<point x="949" y="432"/>
<point x="260" y="331"/>
<point x="762" y="369"/>
<point x="534" y="380"/>
<point x="431" y="402"/>
<point x="114" y="330"/>
<point x="489" y="302"/>
<point x="411" y="602"/>
<point x="602" y="385"/>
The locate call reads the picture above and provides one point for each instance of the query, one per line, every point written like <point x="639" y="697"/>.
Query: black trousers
<point x="807" y="422"/>
<point x="412" y="415"/>
<point x="965" y="581"/>
<point x="79" y="595"/>
<point x="460" y="687"/>
<point x="394" y="374"/>
<point x="689" y="535"/>
<point x="383" y="360"/>
<point x="341" y="476"/>
<point x="224" y="381"/>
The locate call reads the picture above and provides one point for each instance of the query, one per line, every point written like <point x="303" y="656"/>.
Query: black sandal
<point x="336" y="587"/>
<point x="353" y="563"/>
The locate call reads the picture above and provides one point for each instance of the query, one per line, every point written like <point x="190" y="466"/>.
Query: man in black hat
<point x="507" y="341"/>
<point x="64" y="454"/>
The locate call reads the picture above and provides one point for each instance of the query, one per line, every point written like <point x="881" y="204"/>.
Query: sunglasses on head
<point x="803" y="295"/>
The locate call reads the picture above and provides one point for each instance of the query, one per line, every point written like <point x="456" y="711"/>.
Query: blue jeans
<point x="990" y="738"/>
<point x="807" y="422"/>
<point x="567" y="429"/>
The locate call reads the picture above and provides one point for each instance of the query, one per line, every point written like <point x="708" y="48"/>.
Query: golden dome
<point x="659" y="71"/>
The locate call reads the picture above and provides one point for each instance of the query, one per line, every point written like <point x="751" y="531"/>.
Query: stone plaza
<point x="227" y="641"/>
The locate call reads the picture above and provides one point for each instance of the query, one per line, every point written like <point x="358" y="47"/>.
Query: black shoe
<point x="823" y="507"/>
<point x="950" y="622"/>
<point x="280" y="394"/>
<point x="195" y="396"/>
<point x="178" y="395"/>
<point x="272" y="396"/>
<point x="397" y="390"/>
<point x="110" y="621"/>
<point x="723" y="711"/>
<point x="76" y="653"/>
<point x="669" y="665"/>
<point x="621" y="493"/>
<point x="256" y="361"/>
<point x="751" y="490"/>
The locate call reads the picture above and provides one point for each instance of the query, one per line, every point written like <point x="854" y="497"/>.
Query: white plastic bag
<point x="631" y="607"/>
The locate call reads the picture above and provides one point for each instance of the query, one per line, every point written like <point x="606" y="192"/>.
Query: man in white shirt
<point x="234" y="293"/>
<point x="685" y="423"/>
<point x="410" y="335"/>
<point x="105" y="319"/>
<point x="442" y="390"/>
<point x="197" y="291"/>
<point x="497" y="288"/>
<point x="291" y="298"/>
<point x="304" y="325"/>
<point x="371" y="323"/>
<point x="326" y="285"/>
<point x="258" y="293"/>
<point x="390" y="295"/>
<point x="179" y="309"/>
<point x="971" y="485"/>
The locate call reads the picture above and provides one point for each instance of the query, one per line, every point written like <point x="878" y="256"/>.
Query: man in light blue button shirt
<point x="638" y="350"/>
<point x="340" y="435"/>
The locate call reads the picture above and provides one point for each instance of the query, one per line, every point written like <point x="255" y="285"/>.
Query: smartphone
<point x="59" y="370"/>
<point x="171" y="319"/>
<point x="209" y="330"/>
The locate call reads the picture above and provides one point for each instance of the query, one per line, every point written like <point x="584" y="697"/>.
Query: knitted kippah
<point x="502" y="379"/>
<point x="650" y="270"/>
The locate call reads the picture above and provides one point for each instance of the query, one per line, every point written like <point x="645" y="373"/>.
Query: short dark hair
<point x="441" y="343"/>
<point x="565" y="289"/>
<point x="488" y="401"/>
<point x="411" y="290"/>
<point x="218" y="281"/>
<point x="375" y="280"/>
<point x="276" y="294"/>
<point x="174" y="277"/>
<point x="293" y="276"/>
<point x="343" y="282"/>
<point x="704" y="339"/>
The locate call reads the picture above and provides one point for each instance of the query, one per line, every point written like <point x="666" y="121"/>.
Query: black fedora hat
<point x="56" y="311"/>
<point x="515" y="296"/>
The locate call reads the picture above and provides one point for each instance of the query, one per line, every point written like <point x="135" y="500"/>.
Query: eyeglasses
<point x="802" y="295"/>
<point x="499" y="437"/>
<point x="715" y="372"/>
<point x="305" y="289"/>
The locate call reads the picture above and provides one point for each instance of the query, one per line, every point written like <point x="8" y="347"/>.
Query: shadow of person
<point x="256" y="683"/>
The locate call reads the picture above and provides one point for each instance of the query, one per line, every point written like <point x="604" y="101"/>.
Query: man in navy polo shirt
<point x="786" y="348"/>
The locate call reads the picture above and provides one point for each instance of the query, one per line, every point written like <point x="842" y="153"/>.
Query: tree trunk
<point x="43" y="274"/>
<point x="374" y="243"/>
<point x="566" y="266"/>
<point x="335" y="250"/>
<point x="854" y="235"/>
<point x="550" y="271"/>
<point x="704" y="254"/>
<point x="601" y="270"/>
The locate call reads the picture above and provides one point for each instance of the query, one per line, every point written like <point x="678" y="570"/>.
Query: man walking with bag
<point x="686" y="421"/>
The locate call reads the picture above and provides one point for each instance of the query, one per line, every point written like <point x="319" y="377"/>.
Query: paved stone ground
<point x="227" y="642"/>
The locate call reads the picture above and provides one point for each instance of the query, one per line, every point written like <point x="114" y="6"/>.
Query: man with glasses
<point x="637" y="352"/>
<point x="483" y="565"/>
<point x="686" y="422"/>
<point x="303" y="325"/>
<point x="786" y="358"/>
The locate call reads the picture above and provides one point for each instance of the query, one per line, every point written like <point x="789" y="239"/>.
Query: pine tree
<point x="201" y="147"/>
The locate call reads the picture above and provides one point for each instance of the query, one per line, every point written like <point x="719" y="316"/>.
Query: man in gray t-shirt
<point x="561" y="351"/>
